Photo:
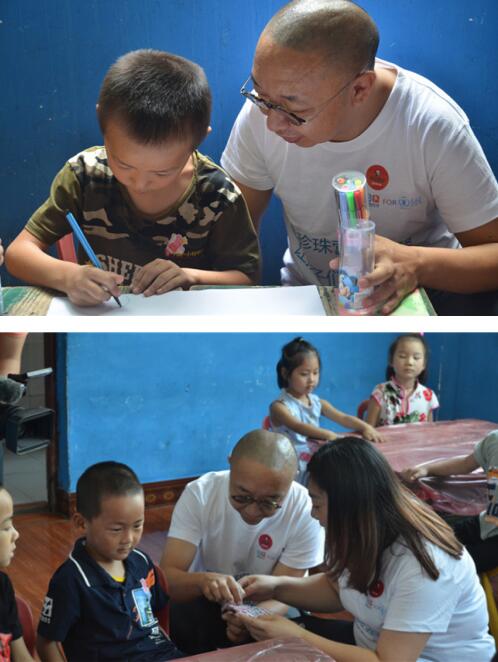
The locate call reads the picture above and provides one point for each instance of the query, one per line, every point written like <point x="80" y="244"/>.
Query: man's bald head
<point x="340" y="30"/>
<point x="273" y="451"/>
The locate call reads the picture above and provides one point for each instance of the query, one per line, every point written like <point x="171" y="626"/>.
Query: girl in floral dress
<point x="404" y="398"/>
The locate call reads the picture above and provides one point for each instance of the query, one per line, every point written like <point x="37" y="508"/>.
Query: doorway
<point x="26" y="476"/>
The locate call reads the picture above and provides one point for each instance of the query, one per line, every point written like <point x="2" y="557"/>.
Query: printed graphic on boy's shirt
<point x="46" y="612"/>
<point x="143" y="608"/>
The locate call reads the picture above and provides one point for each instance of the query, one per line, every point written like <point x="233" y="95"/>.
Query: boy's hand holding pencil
<point x="109" y="284"/>
<point x="88" y="286"/>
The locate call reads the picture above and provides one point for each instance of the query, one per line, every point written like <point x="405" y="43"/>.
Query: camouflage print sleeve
<point x="48" y="223"/>
<point x="233" y="243"/>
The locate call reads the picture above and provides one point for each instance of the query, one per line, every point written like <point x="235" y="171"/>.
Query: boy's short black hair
<point x="157" y="96"/>
<point x="102" y="480"/>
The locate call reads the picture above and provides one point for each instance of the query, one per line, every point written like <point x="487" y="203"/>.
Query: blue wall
<point x="173" y="405"/>
<point x="59" y="50"/>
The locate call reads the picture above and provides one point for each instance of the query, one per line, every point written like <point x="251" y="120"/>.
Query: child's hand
<point x="89" y="286"/>
<point x="414" y="473"/>
<point x="160" y="276"/>
<point x="371" y="434"/>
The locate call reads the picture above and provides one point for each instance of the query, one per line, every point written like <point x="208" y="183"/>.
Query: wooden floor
<point x="46" y="540"/>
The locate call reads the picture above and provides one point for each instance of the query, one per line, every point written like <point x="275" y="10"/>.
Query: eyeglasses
<point x="266" y="106"/>
<point x="265" y="505"/>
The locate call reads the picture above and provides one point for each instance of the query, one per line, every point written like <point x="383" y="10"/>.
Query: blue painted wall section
<point x="59" y="50"/>
<point x="173" y="405"/>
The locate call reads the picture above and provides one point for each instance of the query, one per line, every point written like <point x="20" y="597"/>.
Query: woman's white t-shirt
<point x="452" y="608"/>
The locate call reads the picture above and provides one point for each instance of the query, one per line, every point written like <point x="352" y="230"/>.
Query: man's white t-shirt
<point x="452" y="608"/>
<point x="204" y="517"/>
<point x="427" y="176"/>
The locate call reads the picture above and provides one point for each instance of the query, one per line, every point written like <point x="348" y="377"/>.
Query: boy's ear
<point x="209" y="129"/>
<point x="229" y="458"/>
<point x="79" y="522"/>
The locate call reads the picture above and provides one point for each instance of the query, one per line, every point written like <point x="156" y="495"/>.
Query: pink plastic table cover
<point x="417" y="443"/>
<point x="291" y="649"/>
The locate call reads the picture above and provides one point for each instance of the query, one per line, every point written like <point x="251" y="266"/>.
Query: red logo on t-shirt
<point x="265" y="541"/>
<point x="377" y="177"/>
<point x="427" y="394"/>
<point x="377" y="589"/>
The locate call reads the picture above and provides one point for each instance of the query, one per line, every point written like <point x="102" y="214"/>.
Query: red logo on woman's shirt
<point x="377" y="589"/>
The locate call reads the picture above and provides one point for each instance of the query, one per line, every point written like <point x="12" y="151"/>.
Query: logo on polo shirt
<point x="377" y="177"/>
<point x="150" y="580"/>
<point x="46" y="612"/>
<point x="265" y="541"/>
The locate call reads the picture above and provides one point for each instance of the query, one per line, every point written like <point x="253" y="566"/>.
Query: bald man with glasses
<point x="319" y="102"/>
<point x="253" y="518"/>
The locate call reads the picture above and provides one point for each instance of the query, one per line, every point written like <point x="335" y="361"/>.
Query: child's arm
<point x="352" y="422"/>
<point x="49" y="651"/>
<point x="160" y="276"/>
<point x="19" y="651"/>
<point x="373" y="412"/>
<point x="280" y="415"/>
<point x="85" y="285"/>
<point x="455" y="465"/>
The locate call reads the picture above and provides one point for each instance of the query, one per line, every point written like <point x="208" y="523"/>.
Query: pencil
<point x="86" y="247"/>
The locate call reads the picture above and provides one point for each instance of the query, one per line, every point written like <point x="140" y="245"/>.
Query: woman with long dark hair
<point x="393" y="564"/>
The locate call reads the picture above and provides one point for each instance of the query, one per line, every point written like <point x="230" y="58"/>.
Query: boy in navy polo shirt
<point x="101" y="602"/>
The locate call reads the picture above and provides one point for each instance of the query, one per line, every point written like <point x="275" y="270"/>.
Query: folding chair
<point x="163" y="614"/>
<point x="65" y="248"/>
<point x="362" y="409"/>
<point x="28" y="627"/>
<point x="490" y="600"/>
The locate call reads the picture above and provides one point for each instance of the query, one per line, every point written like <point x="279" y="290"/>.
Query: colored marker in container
<point x="350" y="194"/>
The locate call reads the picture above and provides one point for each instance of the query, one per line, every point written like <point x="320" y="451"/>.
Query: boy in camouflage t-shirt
<point x="158" y="214"/>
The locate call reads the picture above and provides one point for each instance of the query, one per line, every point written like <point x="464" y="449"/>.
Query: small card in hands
<point x="246" y="609"/>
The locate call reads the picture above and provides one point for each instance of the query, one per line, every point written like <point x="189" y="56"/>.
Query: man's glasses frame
<point x="265" y="505"/>
<point x="266" y="106"/>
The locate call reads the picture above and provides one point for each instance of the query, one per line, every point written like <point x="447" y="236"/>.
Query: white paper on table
<point x="300" y="300"/>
